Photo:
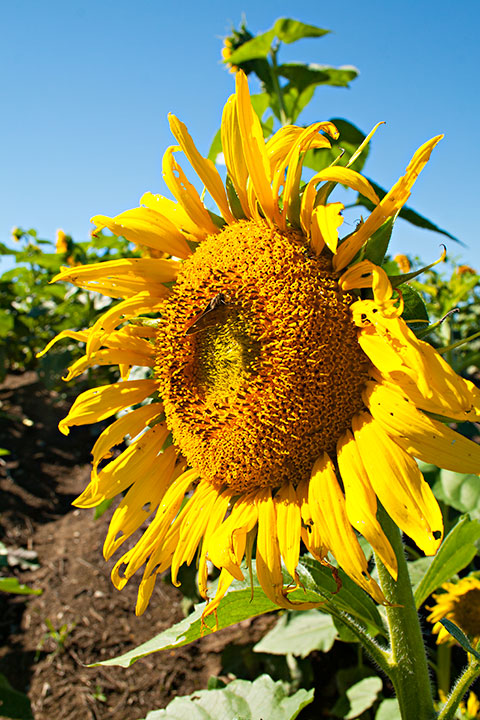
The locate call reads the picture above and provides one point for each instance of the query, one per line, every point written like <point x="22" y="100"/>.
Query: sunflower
<point x="285" y="394"/>
<point x="460" y="603"/>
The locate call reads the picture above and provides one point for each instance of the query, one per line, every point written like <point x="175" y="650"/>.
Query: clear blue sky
<point x="87" y="84"/>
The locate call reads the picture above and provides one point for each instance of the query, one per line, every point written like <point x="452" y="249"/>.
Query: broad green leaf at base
<point x="262" y="699"/>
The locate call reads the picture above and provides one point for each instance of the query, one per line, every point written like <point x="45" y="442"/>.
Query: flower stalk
<point x="408" y="669"/>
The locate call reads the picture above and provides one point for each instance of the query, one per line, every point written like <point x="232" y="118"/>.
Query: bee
<point x="214" y="313"/>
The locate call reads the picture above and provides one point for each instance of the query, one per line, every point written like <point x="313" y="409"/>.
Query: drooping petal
<point x="327" y="505"/>
<point x="399" y="484"/>
<point x="173" y="212"/>
<point x="100" y="403"/>
<point x="226" y="545"/>
<point x="421" y="436"/>
<point x="289" y="523"/>
<point x="269" y="567"/>
<point x="80" y="335"/>
<point x="123" y="358"/>
<point x="361" y="502"/>
<point x="140" y="501"/>
<point x="136" y="461"/>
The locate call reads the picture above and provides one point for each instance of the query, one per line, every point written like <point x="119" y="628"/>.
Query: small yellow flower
<point x="281" y="403"/>
<point x="403" y="263"/>
<point x="465" y="270"/>
<point x="460" y="603"/>
<point x="61" y="242"/>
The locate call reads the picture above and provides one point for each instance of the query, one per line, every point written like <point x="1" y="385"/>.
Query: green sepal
<point x="376" y="246"/>
<point x="397" y="280"/>
<point x="415" y="310"/>
<point x="350" y="138"/>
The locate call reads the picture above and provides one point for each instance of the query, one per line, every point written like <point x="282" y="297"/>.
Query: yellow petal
<point x="185" y="193"/>
<point x="144" y="226"/>
<point x="134" y="462"/>
<point x="226" y="545"/>
<point x="289" y="524"/>
<point x="110" y="357"/>
<point x="132" y="423"/>
<point x="361" y="502"/>
<point x="254" y="151"/>
<point x="387" y="207"/>
<point x="420" y="435"/>
<point x="311" y="534"/>
<point x="224" y="582"/>
<point x="269" y="568"/>
<point x="327" y="505"/>
<point x="398" y="484"/>
<point x="193" y="521"/>
<point x="99" y="403"/>
<point x="80" y="335"/>
<point x="173" y="212"/>
<point x="326" y="219"/>
<point x="216" y="518"/>
<point x="122" y="278"/>
<point x="233" y="152"/>
<point x="140" y="502"/>
<point x="139" y="304"/>
<point x="204" y="168"/>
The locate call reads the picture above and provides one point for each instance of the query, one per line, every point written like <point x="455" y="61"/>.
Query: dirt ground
<point x="44" y="472"/>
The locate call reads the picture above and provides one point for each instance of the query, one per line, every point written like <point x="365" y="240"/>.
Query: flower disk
<point x="258" y="386"/>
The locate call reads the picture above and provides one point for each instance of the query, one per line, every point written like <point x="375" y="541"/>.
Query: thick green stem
<point x="408" y="668"/>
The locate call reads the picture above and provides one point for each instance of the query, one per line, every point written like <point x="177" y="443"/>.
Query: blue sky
<point x="87" y="85"/>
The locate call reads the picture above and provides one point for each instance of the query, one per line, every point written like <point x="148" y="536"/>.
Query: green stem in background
<point x="444" y="659"/>
<point x="470" y="674"/>
<point x="276" y="85"/>
<point x="408" y="667"/>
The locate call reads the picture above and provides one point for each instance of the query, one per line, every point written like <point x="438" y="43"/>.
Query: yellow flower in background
<point x="282" y="402"/>
<point x="403" y="263"/>
<point x="460" y="603"/>
<point x="61" y="245"/>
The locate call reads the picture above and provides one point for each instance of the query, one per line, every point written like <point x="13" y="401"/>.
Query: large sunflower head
<point x="285" y="394"/>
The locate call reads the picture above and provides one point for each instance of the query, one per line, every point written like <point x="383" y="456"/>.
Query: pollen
<point x="257" y="358"/>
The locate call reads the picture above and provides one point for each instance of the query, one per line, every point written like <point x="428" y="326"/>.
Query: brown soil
<point x="44" y="472"/>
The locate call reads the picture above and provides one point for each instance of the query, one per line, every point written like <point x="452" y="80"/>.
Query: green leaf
<point x="460" y="637"/>
<point x="406" y="213"/>
<point x="262" y="699"/>
<point x="13" y="704"/>
<point x="215" y="147"/>
<point x="257" y="47"/>
<point x="299" y="633"/>
<point x="377" y="246"/>
<point x="415" y="309"/>
<point x="102" y="508"/>
<point x="460" y="491"/>
<point x="289" y="31"/>
<point x="6" y="322"/>
<point x="389" y="710"/>
<point x="238" y="604"/>
<point x="350" y="599"/>
<point x="11" y="585"/>
<point x="456" y="552"/>
<point x="362" y="696"/>
<point x="302" y="76"/>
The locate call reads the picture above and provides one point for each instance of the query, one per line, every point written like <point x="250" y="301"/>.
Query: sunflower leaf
<point x="257" y="47"/>
<point x="349" y="140"/>
<point x="415" y="310"/>
<point x="13" y="704"/>
<point x="377" y="246"/>
<point x="256" y="700"/>
<point x="460" y="491"/>
<point x="456" y="552"/>
<point x="11" y="585"/>
<point x="290" y="31"/>
<point x="299" y="633"/>
<point x="460" y="637"/>
<point x="302" y="76"/>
